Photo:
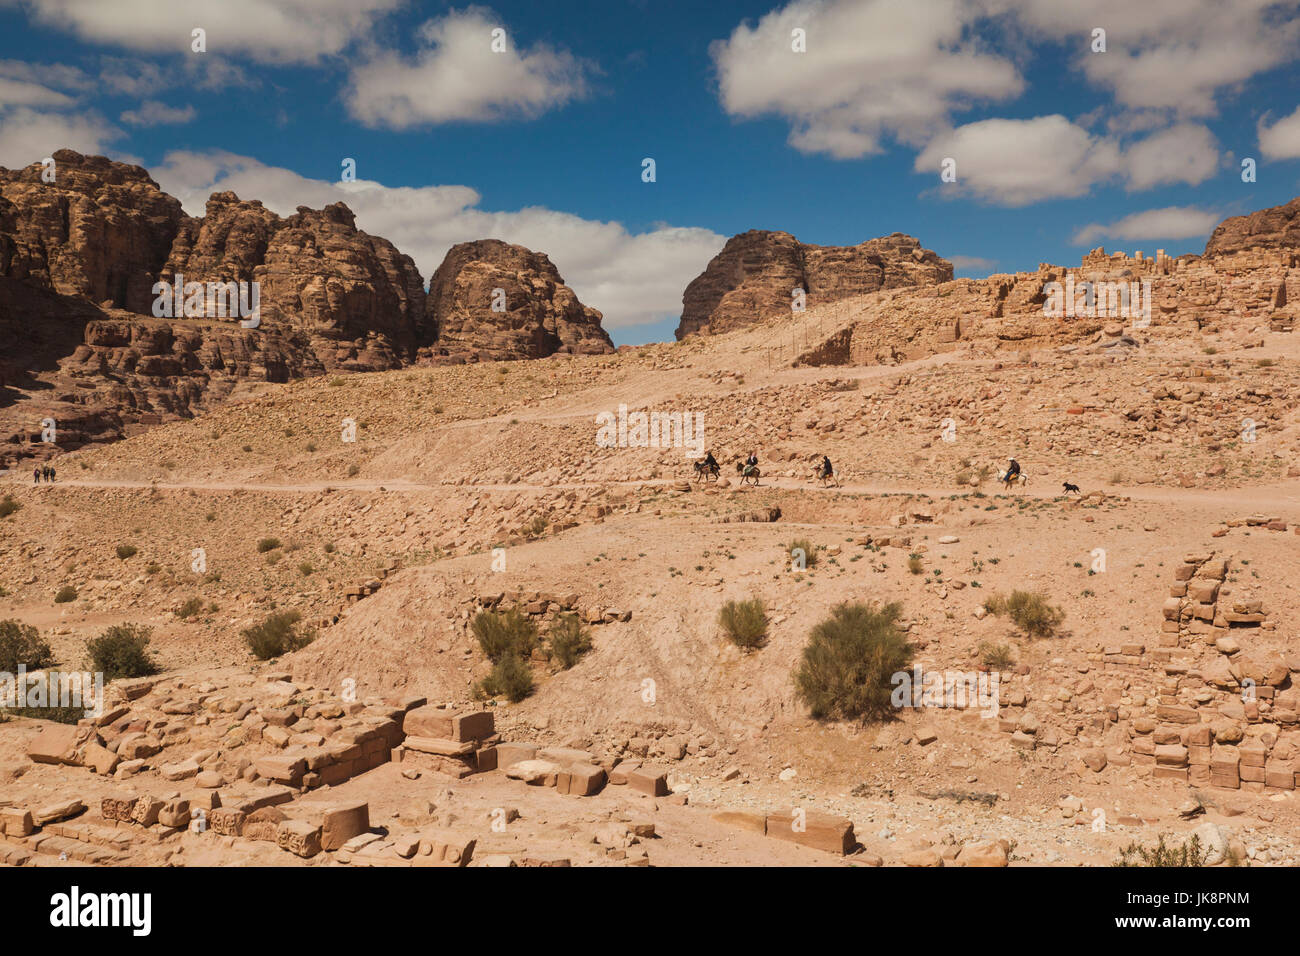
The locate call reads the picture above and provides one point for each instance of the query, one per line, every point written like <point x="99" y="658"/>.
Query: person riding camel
<point x="751" y="463"/>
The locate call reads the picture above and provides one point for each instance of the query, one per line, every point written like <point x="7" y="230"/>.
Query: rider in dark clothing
<point x="1013" y="468"/>
<point x="710" y="462"/>
<point x="826" y="470"/>
<point x="751" y="462"/>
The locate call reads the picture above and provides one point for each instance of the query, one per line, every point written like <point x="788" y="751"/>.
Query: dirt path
<point x="1273" y="497"/>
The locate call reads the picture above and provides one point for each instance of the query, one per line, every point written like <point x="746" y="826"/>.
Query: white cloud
<point x="1282" y="139"/>
<point x="1018" y="162"/>
<point x="873" y="68"/>
<point x="22" y="93"/>
<point x="1187" y="153"/>
<point x="154" y="113"/>
<point x="880" y="68"/>
<point x="971" y="263"/>
<point x="632" y="278"/>
<point x="27" y="136"/>
<point x="269" y="31"/>
<point x="1171" y="222"/>
<point x="1174" y="55"/>
<point x="457" y="76"/>
<point x="34" y="115"/>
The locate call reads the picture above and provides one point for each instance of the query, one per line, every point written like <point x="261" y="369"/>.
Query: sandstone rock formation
<point x="101" y="231"/>
<point x="79" y="257"/>
<point x="493" y="300"/>
<point x="1228" y="292"/>
<point x="1275" y="228"/>
<point x="754" y="276"/>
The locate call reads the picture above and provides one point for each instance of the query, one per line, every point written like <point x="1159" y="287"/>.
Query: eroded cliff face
<point x="101" y="231"/>
<point x="493" y="300"/>
<point x="754" y="276"/>
<point x="79" y="258"/>
<point x="1277" y="227"/>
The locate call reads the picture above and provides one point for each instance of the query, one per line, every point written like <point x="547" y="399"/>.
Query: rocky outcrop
<point x="80" y="255"/>
<point x="493" y="300"/>
<point x="100" y="231"/>
<point x="756" y="273"/>
<point x="1275" y="228"/>
<point x="1231" y="294"/>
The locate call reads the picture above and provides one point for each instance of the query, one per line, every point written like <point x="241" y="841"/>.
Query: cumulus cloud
<point x="873" y="69"/>
<point x="633" y="278"/>
<point x="1282" y="139"/>
<point x="1172" y="55"/>
<point x="154" y="113"/>
<point x="456" y="75"/>
<point x="1186" y="153"/>
<point x="1022" y="161"/>
<point x="28" y="135"/>
<point x="972" y="263"/>
<point x="1171" y="222"/>
<point x="268" y="31"/>
<point x="36" y="118"/>
<point x="1018" y="162"/>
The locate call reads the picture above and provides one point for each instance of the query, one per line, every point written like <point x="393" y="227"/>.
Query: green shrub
<point x="267" y="544"/>
<point x="802" y="545"/>
<point x="21" y="644"/>
<point x="65" y="594"/>
<point x="1028" y="610"/>
<point x="1189" y="854"/>
<point x="569" y="639"/>
<point x="191" y="608"/>
<point x="125" y="551"/>
<point x="744" y="622"/>
<point x="120" y="652"/>
<point x="996" y="657"/>
<point x="511" y="678"/>
<point x="276" y="635"/>
<point x="846" y="669"/>
<point x="353" y="469"/>
<point x="9" y="505"/>
<point x="502" y="633"/>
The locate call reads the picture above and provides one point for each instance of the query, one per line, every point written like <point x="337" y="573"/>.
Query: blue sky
<point x="1057" y="148"/>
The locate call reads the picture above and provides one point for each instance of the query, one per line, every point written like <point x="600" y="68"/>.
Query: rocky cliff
<point x="80" y="255"/>
<point x="1275" y="228"/>
<point x="754" y="276"/>
<point x="493" y="300"/>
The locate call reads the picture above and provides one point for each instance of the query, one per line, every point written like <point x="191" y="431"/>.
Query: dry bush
<point x="744" y="622"/>
<point x="847" y="668"/>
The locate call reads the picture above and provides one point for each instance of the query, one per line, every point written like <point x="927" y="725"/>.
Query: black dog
<point x="1069" y="488"/>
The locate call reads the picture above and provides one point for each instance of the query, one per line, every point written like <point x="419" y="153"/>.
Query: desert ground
<point x="483" y="485"/>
